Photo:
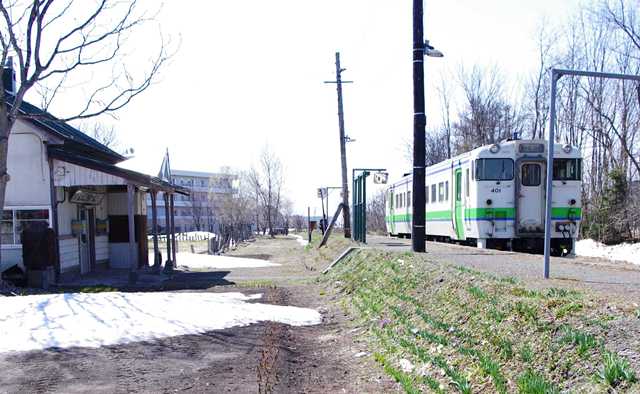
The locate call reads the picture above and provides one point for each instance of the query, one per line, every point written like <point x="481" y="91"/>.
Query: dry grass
<point x="466" y="331"/>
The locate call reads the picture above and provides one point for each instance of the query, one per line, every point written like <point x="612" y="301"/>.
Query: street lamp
<point x="431" y="51"/>
<point x="421" y="48"/>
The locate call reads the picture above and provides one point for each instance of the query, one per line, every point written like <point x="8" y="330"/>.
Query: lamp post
<point x="421" y="49"/>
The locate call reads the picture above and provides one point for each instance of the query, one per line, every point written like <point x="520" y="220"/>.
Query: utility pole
<point x="419" y="123"/>
<point x="343" y="149"/>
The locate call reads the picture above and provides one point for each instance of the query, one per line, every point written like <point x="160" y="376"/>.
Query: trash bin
<point x="38" y="254"/>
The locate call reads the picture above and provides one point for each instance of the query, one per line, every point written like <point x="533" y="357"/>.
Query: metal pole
<point x="157" y="261"/>
<point x="309" y="223"/>
<point x="343" y="151"/>
<point x="174" y="243"/>
<point x="419" y="122"/>
<point x="363" y="208"/>
<point x="133" y="264"/>
<point x="549" y="189"/>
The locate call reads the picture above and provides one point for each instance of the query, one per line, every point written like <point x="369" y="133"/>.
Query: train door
<point x="531" y="196"/>
<point x="87" y="239"/>
<point x="459" y="205"/>
<point x="392" y="223"/>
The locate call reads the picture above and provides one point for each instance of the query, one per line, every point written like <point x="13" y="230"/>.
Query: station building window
<point x="14" y="221"/>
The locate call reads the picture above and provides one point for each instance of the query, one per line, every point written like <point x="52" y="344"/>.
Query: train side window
<point x="567" y="169"/>
<point x="466" y="184"/>
<point x="426" y="193"/>
<point x="531" y="174"/>
<point x="446" y="191"/>
<point x="408" y="199"/>
<point x="494" y="169"/>
<point x="433" y="193"/>
<point x="441" y="191"/>
<point x="390" y="200"/>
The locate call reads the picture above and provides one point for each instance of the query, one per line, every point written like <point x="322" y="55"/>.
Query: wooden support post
<point x="133" y="264"/>
<point x="168" y="265"/>
<point x="154" y="223"/>
<point x="173" y="232"/>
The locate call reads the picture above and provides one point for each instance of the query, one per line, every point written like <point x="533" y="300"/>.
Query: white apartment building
<point x="195" y="212"/>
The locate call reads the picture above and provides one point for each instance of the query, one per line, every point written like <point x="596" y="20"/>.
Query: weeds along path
<point x="435" y="327"/>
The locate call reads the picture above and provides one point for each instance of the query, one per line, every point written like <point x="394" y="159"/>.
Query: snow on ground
<point x="100" y="319"/>
<point x="189" y="235"/>
<point x="192" y="260"/>
<point x="300" y="240"/>
<point x="623" y="252"/>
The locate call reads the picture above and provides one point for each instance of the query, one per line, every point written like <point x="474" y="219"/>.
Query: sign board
<point x="380" y="178"/>
<point x="102" y="227"/>
<point x="86" y="197"/>
<point x="77" y="227"/>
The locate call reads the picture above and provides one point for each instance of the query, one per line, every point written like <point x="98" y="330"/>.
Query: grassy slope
<point x="441" y="329"/>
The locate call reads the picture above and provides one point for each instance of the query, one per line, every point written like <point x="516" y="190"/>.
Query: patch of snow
<point x="193" y="260"/>
<point x="406" y="366"/>
<point x="623" y="252"/>
<point x="101" y="319"/>
<point x="300" y="240"/>
<point x="189" y="235"/>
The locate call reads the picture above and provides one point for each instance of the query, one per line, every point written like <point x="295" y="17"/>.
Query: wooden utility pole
<point x="343" y="148"/>
<point x="419" y="123"/>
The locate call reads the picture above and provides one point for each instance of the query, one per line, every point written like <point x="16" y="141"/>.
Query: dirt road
<point x="267" y="357"/>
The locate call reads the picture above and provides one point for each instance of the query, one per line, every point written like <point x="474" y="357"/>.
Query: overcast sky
<point x="250" y="73"/>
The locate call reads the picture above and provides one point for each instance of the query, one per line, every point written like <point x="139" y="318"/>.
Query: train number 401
<point x="496" y="190"/>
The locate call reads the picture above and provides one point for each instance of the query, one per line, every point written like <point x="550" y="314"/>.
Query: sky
<point x="250" y="73"/>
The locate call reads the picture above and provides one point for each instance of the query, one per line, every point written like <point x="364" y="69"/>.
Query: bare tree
<point x="268" y="180"/>
<point x="376" y="213"/>
<point x="234" y="211"/>
<point x="52" y="41"/>
<point x="198" y="208"/>
<point x="487" y="115"/>
<point x="104" y="134"/>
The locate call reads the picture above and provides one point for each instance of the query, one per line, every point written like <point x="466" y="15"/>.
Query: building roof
<point x="59" y="152"/>
<point x="73" y="138"/>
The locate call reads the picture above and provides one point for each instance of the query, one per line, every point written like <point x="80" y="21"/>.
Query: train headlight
<point x="566" y="148"/>
<point x="495" y="148"/>
<point x="572" y="201"/>
<point x="489" y="202"/>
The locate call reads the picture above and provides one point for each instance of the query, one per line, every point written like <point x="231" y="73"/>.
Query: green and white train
<point x="494" y="197"/>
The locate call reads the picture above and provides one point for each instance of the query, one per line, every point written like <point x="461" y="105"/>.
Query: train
<point x="494" y="197"/>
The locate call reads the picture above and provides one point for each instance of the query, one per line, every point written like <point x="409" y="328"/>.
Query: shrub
<point x="616" y="370"/>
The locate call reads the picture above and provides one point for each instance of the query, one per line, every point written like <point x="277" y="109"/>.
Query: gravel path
<point x="614" y="279"/>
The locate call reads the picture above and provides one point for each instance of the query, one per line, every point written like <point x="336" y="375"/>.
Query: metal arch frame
<point x="556" y="74"/>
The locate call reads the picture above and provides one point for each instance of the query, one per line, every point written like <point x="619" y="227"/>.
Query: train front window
<point x="531" y="174"/>
<point x="567" y="169"/>
<point x="494" y="169"/>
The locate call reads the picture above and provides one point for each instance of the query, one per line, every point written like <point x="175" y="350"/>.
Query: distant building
<point x="194" y="212"/>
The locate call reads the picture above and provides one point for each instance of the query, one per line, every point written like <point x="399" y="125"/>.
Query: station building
<point x="61" y="177"/>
